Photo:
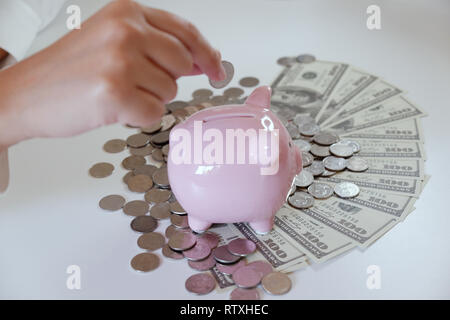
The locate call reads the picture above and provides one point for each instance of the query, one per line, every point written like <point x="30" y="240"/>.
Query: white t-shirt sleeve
<point x="21" y="21"/>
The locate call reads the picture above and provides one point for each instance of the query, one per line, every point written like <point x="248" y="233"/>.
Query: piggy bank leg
<point x="263" y="226"/>
<point x="198" y="225"/>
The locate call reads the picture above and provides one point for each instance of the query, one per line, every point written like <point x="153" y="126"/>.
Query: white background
<point x="49" y="218"/>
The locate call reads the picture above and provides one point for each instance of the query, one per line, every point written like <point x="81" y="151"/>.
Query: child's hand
<point x="121" y="66"/>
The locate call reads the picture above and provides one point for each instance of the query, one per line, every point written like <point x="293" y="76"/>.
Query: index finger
<point x="205" y="56"/>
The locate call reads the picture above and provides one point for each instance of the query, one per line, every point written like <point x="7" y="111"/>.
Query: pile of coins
<point x="147" y="174"/>
<point x="323" y="154"/>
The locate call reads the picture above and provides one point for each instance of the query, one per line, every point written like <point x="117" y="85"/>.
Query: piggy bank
<point x="233" y="163"/>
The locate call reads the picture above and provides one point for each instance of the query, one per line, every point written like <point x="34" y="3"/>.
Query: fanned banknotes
<point x="356" y="106"/>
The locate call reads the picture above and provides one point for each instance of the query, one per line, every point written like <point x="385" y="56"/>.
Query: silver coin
<point x="320" y="190"/>
<point x="307" y="159"/>
<point x="320" y="151"/>
<point x="114" y="146"/>
<point x="246" y="277"/>
<point x="325" y="138"/>
<point x="146" y="169"/>
<point x="334" y="163"/>
<point x="286" y="61"/>
<point x="160" y="178"/>
<point x="241" y="247"/>
<point x="176" y="208"/>
<point x="301" y="200"/>
<point x="101" y="170"/>
<point x="249" y="82"/>
<point x="303" y="179"/>
<point x="301" y="119"/>
<point x="305" y="58"/>
<point x="179" y="221"/>
<point x="203" y="265"/>
<point x="244" y="294"/>
<point x="160" y="138"/>
<point x="157" y="196"/>
<point x="316" y="168"/>
<point x="136" y="208"/>
<point x="180" y="241"/>
<point x="201" y="283"/>
<point x="357" y="164"/>
<point x="202" y="93"/>
<point x="221" y="254"/>
<point x="151" y="241"/>
<point x="167" y="122"/>
<point x="143" y="151"/>
<point x="355" y="145"/>
<point x="233" y="92"/>
<point x="138" y="140"/>
<point x="132" y="162"/>
<point x="229" y="70"/>
<point x="341" y="150"/>
<point x="198" y="252"/>
<point x="160" y="211"/>
<point x="210" y="238"/>
<point x="144" y="224"/>
<point x="112" y="202"/>
<point x="303" y="145"/>
<point x="276" y="283"/>
<point x="346" y="190"/>
<point x="309" y="129"/>
<point x="145" y="262"/>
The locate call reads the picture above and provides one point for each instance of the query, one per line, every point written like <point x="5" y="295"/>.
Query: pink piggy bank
<point x="233" y="163"/>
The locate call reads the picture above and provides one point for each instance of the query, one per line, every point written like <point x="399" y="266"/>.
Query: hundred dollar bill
<point x="397" y="167"/>
<point x="374" y="94"/>
<point x="352" y="83"/>
<point x="398" y="185"/>
<point x="296" y="267"/>
<point x="271" y="247"/>
<point x="386" y="112"/>
<point x="319" y="242"/>
<point x="410" y="129"/>
<point x="304" y="88"/>
<point x="361" y="225"/>
<point x="391" y="149"/>
<point x="382" y="202"/>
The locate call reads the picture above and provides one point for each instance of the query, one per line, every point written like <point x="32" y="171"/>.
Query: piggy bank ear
<point x="260" y="97"/>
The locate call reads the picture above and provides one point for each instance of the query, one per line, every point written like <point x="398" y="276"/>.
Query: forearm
<point x="11" y="127"/>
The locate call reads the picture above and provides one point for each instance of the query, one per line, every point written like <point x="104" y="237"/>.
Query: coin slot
<point x="228" y="116"/>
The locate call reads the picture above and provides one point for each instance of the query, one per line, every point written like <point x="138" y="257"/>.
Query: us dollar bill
<point x="360" y="225"/>
<point x="318" y="241"/>
<point x="386" y="112"/>
<point x="382" y="202"/>
<point x="374" y="94"/>
<point x="305" y="87"/>
<point x="391" y="149"/>
<point x="397" y="185"/>
<point x="396" y="167"/>
<point x="353" y="82"/>
<point x="410" y="130"/>
<point x="272" y="247"/>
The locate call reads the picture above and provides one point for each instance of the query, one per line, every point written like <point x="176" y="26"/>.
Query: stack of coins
<point x="324" y="154"/>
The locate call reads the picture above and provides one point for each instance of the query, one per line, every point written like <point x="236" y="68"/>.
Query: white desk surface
<point x="49" y="218"/>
